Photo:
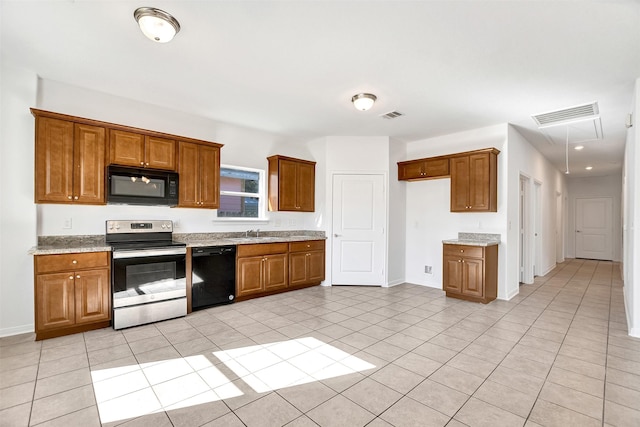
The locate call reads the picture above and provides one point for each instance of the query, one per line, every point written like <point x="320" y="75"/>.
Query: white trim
<point x="261" y="195"/>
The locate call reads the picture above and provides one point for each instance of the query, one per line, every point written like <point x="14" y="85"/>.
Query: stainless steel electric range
<point x="147" y="272"/>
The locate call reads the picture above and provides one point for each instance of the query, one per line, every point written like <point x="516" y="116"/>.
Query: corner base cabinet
<point x="470" y="272"/>
<point x="72" y="293"/>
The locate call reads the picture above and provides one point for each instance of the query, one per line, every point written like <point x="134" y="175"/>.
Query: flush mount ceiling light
<point x="363" y="101"/>
<point x="578" y="147"/>
<point x="156" y="24"/>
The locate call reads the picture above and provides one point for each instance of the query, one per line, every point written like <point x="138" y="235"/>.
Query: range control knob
<point x="168" y="224"/>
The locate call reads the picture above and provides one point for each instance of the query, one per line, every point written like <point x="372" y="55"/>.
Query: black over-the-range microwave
<point x="133" y="186"/>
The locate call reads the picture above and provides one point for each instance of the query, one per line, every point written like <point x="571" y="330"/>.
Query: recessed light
<point x="589" y="168"/>
<point x="578" y="147"/>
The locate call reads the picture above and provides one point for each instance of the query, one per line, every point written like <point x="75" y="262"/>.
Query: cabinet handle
<point x="308" y="254"/>
<point x="141" y="163"/>
<point x="461" y="250"/>
<point x="69" y="197"/>
<point x="459" y="260"/>
<point x="70" y="277"/>
<point x="146" y="164"/>
<point x="75" y="197"/>
<point x="74" y="262"/>
<point x="78" y="276"/>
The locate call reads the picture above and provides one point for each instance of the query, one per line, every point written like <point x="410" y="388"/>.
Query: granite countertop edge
<point x="63" y="245"/>
<point x="470" y="242"/>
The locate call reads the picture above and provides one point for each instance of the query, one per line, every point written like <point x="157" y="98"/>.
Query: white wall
<point x="593" y="187"/>
<point x="17" y="211"/>
<point x="397" y="216"/>
<point x="525" y="160"/>
<point x="428" y="216"/>
<point x="242" y="147"/>
<point x="631" y="220"/>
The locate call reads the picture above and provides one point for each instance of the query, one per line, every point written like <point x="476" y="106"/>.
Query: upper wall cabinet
<point x="291" y="184"/>
<point x="70" y="162"/>
<point x="135" y="149"/>
<point x="474" y="181"/>
<point x="199" y="171"/>
<point x="415" y="170"/>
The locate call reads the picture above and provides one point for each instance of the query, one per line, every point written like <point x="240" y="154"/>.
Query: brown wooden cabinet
<point x="143" y="151"/>
<point x="306" y="263"/>
<point x="291" y="184"/>
<point x="474" y="181"/>
<point x="199" y="171"/>
<point x="72" y="293"/>
<point x="430" y="168"/>
<point x="70" y="162"/>
<point x="261" y="268"/>
<point x="470" y="272"/>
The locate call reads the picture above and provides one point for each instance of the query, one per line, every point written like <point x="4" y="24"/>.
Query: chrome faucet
<point x="257" y="232"/>
<point x="246" y="233"/>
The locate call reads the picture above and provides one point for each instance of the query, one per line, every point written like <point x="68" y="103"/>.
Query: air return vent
<point x="391" y="115"/>
<point x="568" y="115"/>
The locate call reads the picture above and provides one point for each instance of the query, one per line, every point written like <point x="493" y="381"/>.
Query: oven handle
<point x="124" y="254"/>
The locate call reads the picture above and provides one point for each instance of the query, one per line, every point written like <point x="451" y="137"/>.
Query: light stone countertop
<point x="52" y="245"/>
<point x="475" y="239"/>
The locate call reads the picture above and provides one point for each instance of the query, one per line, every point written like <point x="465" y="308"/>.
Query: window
<point x="242" y="193"/>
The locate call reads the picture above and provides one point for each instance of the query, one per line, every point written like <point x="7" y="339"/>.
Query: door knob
<point x="337" y="235"/>
<point x="577" y="231"/>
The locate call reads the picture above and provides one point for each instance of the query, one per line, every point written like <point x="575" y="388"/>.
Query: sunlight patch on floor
<point x="134" y="390"/>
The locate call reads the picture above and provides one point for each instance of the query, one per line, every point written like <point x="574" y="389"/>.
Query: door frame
<point x="559" y="227"/>
<point x="525" y="230"/>
<point x="537" y="229"/>
<point x="330" y="208"/>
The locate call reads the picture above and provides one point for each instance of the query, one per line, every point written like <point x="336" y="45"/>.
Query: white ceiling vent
<point x="568" y="115"/>
<point x="391" y="115"/>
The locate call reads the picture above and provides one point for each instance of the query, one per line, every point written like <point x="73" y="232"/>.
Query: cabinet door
<point x="473" y="277"/>
<point x="287" y="191"/>
<point x="479" y="182"/>
<point x="436" y="168"/>
<point x="305" y="187"/>
<point x="412" y="170"/>
<point x="249" y="272"/>
<point x="160" y="153"/>
<point x="89" y="158"/>
<point x="276" y="271"/>
<point x="55" y="306"/>
<point x="188" y="164"/>
<point x="126" y="148"/>
<point x="92" y="296"/>
<point x="452" y="280"/>
<point x="298" y="268"/>
<point x="54" y="160"/>
<point x="209" y="177"/>
<point x="459" y="184"/>
<point x="316" y="266"/>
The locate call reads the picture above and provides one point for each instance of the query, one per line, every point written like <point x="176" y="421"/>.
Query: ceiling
<point x="291" y="67"/>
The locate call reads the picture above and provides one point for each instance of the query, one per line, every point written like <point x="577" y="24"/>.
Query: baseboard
<point x="394" y="283"/>
<point x="548" y="270"/>
<point x="17" y="330"/>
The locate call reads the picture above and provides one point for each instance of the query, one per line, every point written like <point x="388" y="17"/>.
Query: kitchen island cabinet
<point x="72" y="293"/>
<point x="474" y="181"/>
<point x="142" y="151"/>
<point x="291" y="184"/>
<point x="199" y="172"/>
<point x="70" y="162"/>
<point x="470" y="272"/>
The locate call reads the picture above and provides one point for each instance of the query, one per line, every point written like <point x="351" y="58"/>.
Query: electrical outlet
<point x="278" y="223"/>
<point x="292" y="222"/>
<point x="428" y="269"/>
<point x="67" y="224"/>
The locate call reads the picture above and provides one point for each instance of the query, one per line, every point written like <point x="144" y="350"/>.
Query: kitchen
<point x="417" y="214"/>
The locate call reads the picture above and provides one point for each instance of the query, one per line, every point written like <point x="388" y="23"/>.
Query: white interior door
<point x="358" y="240"/>
<point x="594" y="228"/>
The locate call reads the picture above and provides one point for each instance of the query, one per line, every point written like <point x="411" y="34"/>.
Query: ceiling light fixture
<point x="156" y="24"/>
<point x="578" y="147"/>
<point x="589" y="168"/>
<point x="363" y="101"/>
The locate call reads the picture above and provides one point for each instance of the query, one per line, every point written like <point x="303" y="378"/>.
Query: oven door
<point x="148" y="275"/>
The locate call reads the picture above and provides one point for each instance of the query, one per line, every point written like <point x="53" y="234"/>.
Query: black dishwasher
<point x="213" y="276"/>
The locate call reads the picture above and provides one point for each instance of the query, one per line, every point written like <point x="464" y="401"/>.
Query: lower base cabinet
<point x="72" y="293"/>
<point x="268" y="268"/>
<point x="470" y="272"/>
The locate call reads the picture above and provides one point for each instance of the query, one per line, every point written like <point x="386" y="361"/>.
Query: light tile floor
<point x="558" y="354"/>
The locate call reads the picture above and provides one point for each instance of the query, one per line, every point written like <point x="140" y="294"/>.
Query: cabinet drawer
<point x="262" y="249"/>
<point x="308" y="245"/>
<point x="462" y="250"/>
<point x="71" y="262"/>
